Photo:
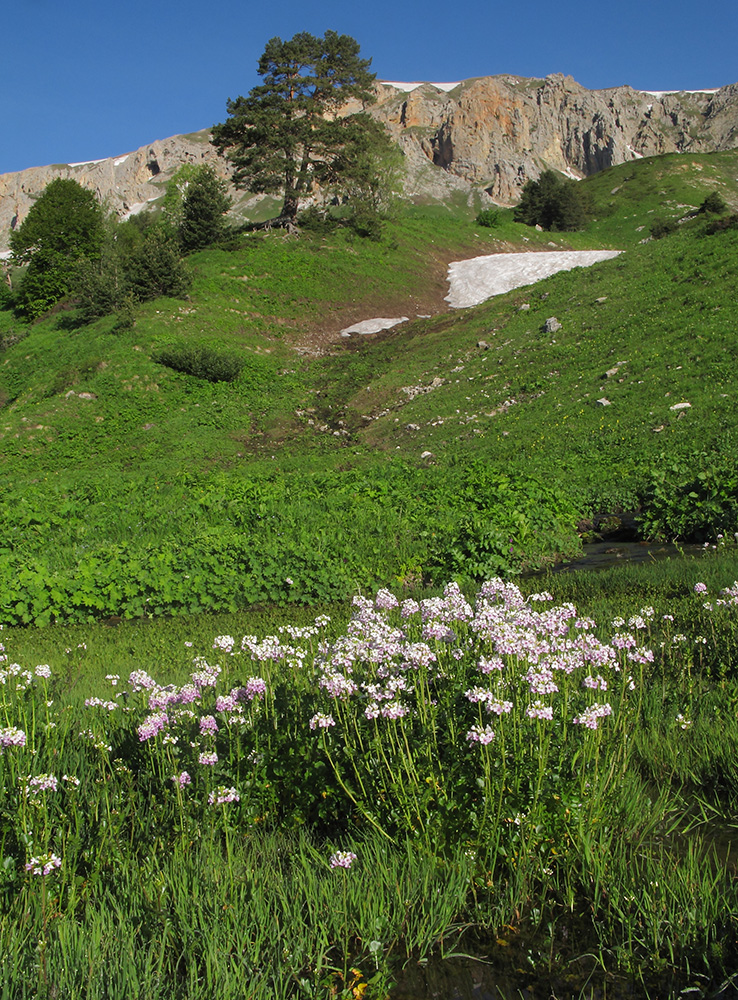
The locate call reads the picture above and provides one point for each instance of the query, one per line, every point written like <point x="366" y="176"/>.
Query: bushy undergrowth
<point x="198" y="544"/>
<point x="308" y="809"/>
<point x="200" y="361"/>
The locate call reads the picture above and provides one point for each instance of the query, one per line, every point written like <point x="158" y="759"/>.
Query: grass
<point x="588" y="856"/>
<point x="179" y="510"/>
<point x="118" y="459"/>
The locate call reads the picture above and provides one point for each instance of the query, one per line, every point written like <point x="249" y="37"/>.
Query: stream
<point x="602" y="555"/>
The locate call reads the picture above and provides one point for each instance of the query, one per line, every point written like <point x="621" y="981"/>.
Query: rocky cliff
<point x="490" y="134"/>
<point x="126" y="183"/>
<point x="495" y="133"/>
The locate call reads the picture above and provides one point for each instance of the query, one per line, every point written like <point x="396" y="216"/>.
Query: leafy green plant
<point x="714" y="204"/>
<point x="662" y="227"/>
<point x="200" y="361"/>
<point x="695" y="500"/>
<point x="488" y="217"/>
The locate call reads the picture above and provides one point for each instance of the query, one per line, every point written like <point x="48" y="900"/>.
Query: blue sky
<point x="83" y="80"/>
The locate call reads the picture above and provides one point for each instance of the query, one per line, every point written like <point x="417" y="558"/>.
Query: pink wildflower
<point x="342" y="859"/>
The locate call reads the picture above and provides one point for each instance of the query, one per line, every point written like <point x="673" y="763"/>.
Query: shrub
<point x="316" y="221"/>
<point x="713" y="204"/>
<point x="552" y="202"/>
<point x="155" y="267"/>
<point x="720" y="225"/>
<point x="489" y="217"/>
<point x="365" y="222"/>
<point x="200" y="362"/>
<point x="204" y="205"/>
<point x="662" y="227"/>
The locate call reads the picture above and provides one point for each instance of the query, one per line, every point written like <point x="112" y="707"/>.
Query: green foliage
<point x="366" y="176"/>
<point x="662" y="227"/>
<point x="554" y="203"/>
<point x="63" y="229"/>
<point x="155" y="267"/>
<point x="505" y="526"/>
<point x="66" y="219"/>
<point x="47" y="280"/>
<point x="173" y="200"/>
<point x="721" y="225"/>
<point x="6" y="292"/>
<point x="320" y="221"/>
<point x="285" y="135"/>
<point x="714" y="204"/>
<point x="488" y="217"/>
<point x="136" y="264"/>
<point x="200" y="361"/>
<point x="204" y="204"/>
<point x="694" y="497"/>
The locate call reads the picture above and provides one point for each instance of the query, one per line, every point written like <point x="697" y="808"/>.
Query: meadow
<point x="327" y="807"/>
<point x="293" y="703"/>
<point x="131" y="487"/>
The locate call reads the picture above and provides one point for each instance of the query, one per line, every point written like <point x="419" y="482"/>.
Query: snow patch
<point x="476" y="280"/>
<point x="663" y="93"/>
<point x="407" y="87"/>
<point x="87" y="163"/>
<point x="374" y="325"/>
<point x="121" y="159"/>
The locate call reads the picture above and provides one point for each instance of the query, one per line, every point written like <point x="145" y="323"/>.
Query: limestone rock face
<point x="126" y="183"/>
<point x="496" y="133"/>
<point x="487" y="135"/>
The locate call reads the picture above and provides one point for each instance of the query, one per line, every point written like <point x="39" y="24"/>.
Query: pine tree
<point x="288" y="133"/>
<point x="552" y="202"/>
<point x="204" y="205"/>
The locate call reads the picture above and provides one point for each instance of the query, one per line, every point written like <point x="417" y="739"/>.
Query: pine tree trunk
<point x="289" y="208"/>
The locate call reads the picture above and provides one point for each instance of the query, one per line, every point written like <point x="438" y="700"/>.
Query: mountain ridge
<point x="481" y="138"/>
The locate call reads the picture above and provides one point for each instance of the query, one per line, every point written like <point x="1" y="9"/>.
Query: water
<point x="602" y="555"/>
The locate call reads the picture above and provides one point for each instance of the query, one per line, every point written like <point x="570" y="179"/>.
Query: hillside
<point x="463" y="442"/>
<point x="479" y="139"/>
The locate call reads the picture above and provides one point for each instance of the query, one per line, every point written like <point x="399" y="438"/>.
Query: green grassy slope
<point x="131" y="488"/>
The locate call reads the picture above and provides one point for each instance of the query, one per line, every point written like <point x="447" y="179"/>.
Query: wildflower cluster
<point x="40" y="783"/>
<point x="12" y="737"/>
<point x="222" y="796"/>
<point x="394" y="662"/>
<point x="342" y="859"/>
<point x="44" y="864"/>
<point x="18" y="678"/>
